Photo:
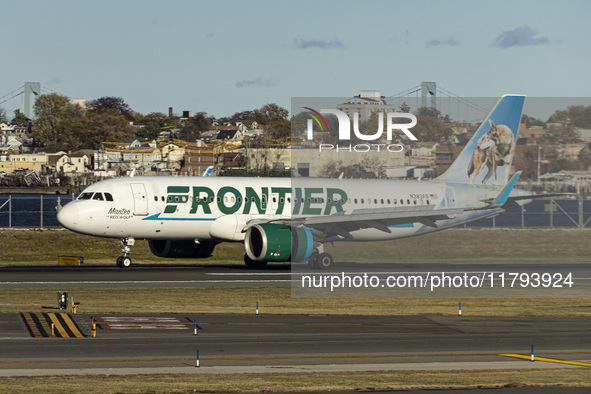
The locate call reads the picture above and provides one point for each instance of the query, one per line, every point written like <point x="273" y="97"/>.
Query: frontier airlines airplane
<point x="290" y="219"/>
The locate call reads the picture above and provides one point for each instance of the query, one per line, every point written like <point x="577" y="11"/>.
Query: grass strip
<point x="454" y="245"/>
<point x="278" y="300"/>
<point x="301" y="382"/>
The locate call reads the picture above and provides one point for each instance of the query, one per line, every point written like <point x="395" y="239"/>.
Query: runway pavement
<point x="274" y="343"/>
<point x="277" y="343"/>
<point x="144" y="275"/>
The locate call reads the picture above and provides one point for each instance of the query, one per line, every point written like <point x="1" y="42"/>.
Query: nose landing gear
<point x="125" y="261"/>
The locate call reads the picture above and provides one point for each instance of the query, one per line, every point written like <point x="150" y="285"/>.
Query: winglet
<point x="504" y="195"/>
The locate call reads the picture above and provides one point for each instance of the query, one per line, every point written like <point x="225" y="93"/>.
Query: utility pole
<point x="539" y="161"/>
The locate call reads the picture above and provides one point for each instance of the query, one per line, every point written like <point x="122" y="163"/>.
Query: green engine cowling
<point x="278" y="242"/>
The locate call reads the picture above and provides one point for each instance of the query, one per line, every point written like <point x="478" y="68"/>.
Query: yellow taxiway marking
<point x="39" y="325"/>
<point x="71" y="325"/>
<point x="347" y="356"/>
<point x="550" y="360"/>
<point x="301" y="357"/>
<point x="57" y="325"/>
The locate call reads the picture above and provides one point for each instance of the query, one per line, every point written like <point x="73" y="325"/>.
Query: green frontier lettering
<point x="176" y="198"/>
<point x="314" y="199"/>
<point x="222" y="200"/>
<point x="336" y="199"/>
<point x="282" y="193"/>
<point x="252" y="196"/>
<point x="229" y="200"/>
<point x="297" y="201"/>
<point x="202" y="197"/>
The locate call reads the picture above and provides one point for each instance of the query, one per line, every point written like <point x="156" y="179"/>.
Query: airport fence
<point x="544" y="213"/>
<point x="39" y="211"/>
<point x="31" y="210"/>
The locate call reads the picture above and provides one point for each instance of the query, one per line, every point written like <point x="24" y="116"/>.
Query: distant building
<point x="367" y="102"/>
<point x="445" y="155"/>
<point x="197" y="159"/>
<point x="262" y="159"/>
<point x="311" y="162"/>
<point x="76" y="163"/>
<point x="585" y="134"/>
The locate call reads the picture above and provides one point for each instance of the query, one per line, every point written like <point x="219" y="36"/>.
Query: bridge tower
<point x="428" y="89"/>
<point x="30" y="88"/>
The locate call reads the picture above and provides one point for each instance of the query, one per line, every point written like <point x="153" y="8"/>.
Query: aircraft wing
<point x="342" y="224"/>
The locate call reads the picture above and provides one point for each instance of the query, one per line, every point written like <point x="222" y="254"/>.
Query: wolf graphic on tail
<point x="495" y="148"/>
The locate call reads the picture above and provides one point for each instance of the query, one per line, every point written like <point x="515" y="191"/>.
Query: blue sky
<point x="223" y="57"/>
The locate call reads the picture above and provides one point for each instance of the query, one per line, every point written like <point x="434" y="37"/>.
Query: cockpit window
<point x="98" y="196"/>
<point x="85" y="196"/>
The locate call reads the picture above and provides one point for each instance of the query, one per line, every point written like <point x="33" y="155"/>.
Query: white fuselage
<point x="219" y="208"/>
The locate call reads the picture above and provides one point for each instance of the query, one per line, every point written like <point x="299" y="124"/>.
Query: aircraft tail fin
<point x="208" y="171"/>
<point x="486" y="159"/>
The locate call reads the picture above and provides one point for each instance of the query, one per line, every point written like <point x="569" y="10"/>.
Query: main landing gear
<point x="125" y="261"/>
<point x="320" y="260"/>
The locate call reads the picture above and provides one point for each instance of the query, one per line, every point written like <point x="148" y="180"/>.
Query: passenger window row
<point x="231" y="199"/>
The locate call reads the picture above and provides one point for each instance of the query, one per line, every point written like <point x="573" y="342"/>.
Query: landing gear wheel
<point x="123" y="262"/>
<point x="253" y="264"/>
<point x="323" y="261"/>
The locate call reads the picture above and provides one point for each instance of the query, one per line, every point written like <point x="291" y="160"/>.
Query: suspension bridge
<point x="429" y="94"/>
<point x="426" y="94"/>
<point x="20" y="98"/>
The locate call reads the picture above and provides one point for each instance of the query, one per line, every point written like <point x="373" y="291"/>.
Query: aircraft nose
<point x="68" y="216"/>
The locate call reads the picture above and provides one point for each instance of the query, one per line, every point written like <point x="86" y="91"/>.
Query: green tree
<point x="73" y="127"/>
<point x="274" y="121"/>
<point x="530" y="121"/>
<point x="243" y="116"/>
<point x="111" y="104"/>
<point x="585" y="156"/>
<point x="561" y="133"/>
<point x="334" y="169"/>
<point x="404" y="108"/>
<point x="576" y="115"/>
<point x="19" y="117"/>
<point x="153" y="123"/>
<point x="3" y="117"/>
<point x="103" y="127"/>
<point x="191" y="129"/>
<point x="431" y="126"/>
<point x="52" y="111"/>
<point x="375" y="166"/>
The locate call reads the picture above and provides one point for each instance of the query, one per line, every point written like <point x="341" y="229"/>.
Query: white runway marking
<point x="246" y="273"/>
<point x="146" y="281"/>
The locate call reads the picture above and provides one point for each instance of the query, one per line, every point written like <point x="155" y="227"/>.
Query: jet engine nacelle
<point x="181" y="249"/>
<point x="278" y="242"/>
